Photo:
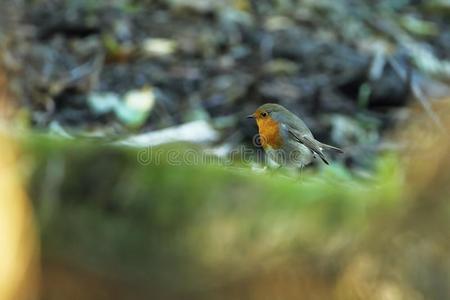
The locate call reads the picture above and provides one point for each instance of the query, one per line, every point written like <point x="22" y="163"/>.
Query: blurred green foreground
<point x="112" y="228"/>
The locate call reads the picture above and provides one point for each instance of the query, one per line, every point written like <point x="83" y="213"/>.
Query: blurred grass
<point x="191" y="230"/>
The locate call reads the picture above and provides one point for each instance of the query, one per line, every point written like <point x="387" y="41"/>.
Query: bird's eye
<point x="263" y="114"/>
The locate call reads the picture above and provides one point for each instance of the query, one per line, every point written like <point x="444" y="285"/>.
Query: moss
<point x="101" y="209"/>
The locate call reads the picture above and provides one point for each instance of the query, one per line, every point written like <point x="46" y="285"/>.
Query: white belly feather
<point x="294" y="156"/>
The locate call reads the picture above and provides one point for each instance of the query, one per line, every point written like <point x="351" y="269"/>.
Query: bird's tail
<point x="329" y="147"/>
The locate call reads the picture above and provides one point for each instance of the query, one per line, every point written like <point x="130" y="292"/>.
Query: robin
<point x="285" y="137"/>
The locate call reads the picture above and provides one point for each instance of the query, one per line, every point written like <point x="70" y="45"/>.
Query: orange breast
<point x="269" y="131"/>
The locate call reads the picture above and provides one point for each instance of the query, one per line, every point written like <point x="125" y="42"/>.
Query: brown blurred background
<point x="81" y="218"/>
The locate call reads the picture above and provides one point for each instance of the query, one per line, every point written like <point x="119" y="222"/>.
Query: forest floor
<point x="349" y="69"/>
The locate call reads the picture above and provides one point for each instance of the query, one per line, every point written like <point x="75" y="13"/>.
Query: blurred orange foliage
<point x="19" y="253"/>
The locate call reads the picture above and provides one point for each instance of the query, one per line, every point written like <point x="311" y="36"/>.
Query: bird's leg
<point x="301" y="172"/>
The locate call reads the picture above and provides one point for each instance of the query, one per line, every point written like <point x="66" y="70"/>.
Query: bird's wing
<point x="308" y="141"/>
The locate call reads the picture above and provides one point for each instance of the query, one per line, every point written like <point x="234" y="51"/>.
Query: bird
<point x="286" y="139"/>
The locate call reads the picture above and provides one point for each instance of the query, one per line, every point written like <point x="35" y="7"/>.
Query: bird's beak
<point x="252" y="116"/>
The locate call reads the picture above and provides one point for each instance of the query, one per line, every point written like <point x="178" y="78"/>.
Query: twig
<point x="423" y="100"/>
<point x="416" y="91"/>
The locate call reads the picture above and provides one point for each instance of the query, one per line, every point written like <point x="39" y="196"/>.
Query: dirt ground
<point x="348" y="68"/>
